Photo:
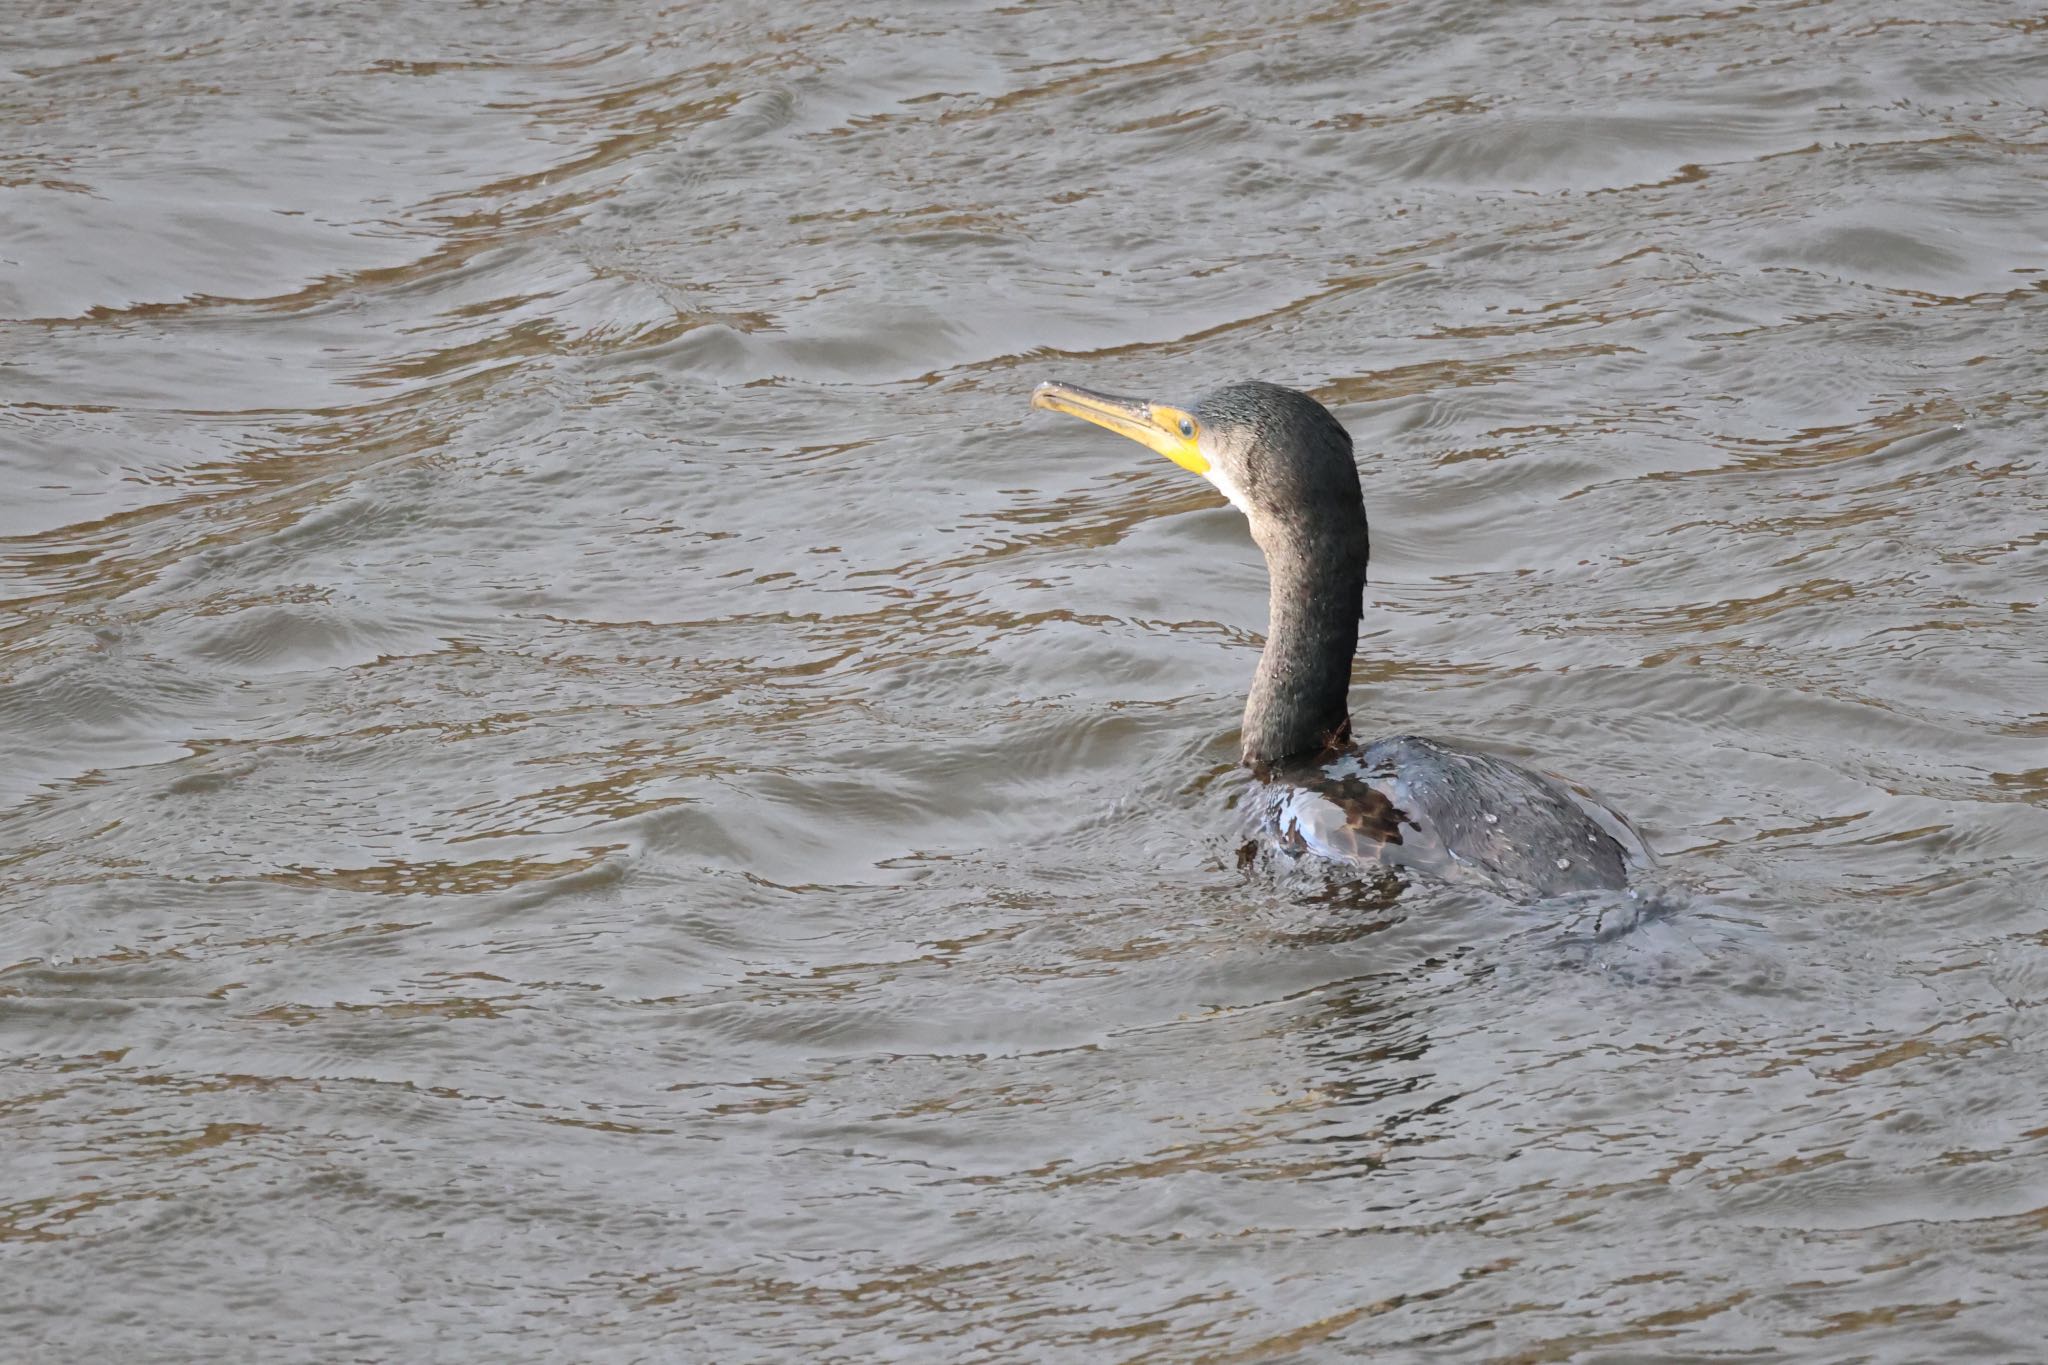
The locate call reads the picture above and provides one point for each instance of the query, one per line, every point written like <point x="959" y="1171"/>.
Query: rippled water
<point x="584" y="780"/>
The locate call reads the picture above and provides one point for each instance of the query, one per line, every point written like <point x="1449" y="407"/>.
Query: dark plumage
<point x="1287" y="465"/>
<point x="1420" y="804"/>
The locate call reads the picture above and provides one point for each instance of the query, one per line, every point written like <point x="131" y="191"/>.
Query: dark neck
<point x="1299" y="700"/>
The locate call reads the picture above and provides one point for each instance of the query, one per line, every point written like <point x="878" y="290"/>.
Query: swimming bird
<point x="1422" y="805"/>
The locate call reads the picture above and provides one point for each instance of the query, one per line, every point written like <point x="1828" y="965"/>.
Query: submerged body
<point x="1418" y="805"/>
<point x="1429" y="808"/>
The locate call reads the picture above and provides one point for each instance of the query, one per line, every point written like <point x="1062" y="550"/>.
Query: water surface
<point x="584" y="779"/>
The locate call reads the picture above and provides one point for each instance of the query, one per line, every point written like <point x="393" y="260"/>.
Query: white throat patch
<point x="1228" y="488"/>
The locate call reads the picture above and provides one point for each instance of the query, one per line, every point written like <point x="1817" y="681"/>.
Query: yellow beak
<point x="1168" y="430"/>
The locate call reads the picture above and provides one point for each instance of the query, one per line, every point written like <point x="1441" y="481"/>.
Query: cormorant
<point x="1418" y="804"/>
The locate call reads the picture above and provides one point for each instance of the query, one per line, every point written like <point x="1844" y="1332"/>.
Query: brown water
<point x="584" y="780"/>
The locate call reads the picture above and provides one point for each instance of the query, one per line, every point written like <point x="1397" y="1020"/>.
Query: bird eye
<point x="1187" y="428"/>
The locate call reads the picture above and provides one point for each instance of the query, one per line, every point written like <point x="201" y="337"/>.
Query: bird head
<point x="1276" y="454"/>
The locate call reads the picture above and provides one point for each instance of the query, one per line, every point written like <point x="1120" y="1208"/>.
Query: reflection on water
<point x="583" y="776"/>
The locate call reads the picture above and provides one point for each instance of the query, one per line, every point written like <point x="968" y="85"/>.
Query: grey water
<point x="582" y="779"/>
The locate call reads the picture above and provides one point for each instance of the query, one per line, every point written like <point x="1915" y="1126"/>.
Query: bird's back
<point x="1455" y="814"/>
